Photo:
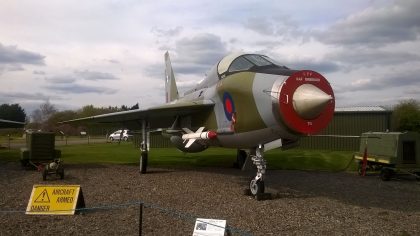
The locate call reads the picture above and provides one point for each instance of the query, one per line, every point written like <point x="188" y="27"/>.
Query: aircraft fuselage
<point x="256" y="107"/>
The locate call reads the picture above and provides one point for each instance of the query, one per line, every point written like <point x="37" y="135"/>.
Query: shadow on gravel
<point x="399" y="194"/>
<point x="152" y="172"/>
<point x="84" y="166"/>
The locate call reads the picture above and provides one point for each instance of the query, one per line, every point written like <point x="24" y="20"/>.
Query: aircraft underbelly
<point x="248" y="139"/>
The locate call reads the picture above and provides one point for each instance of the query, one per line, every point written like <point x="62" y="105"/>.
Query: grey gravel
<point x="304" y="202"/>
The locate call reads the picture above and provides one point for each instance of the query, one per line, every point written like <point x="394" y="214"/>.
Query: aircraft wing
<point x="11" y="124"/>
<point x="157" y="117"/>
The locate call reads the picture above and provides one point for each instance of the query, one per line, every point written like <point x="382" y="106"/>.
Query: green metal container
<point x="395" y="149"/>
<point x="40" y="146"/>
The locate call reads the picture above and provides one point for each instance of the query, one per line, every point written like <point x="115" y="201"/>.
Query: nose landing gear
<point x="256" y="185"/>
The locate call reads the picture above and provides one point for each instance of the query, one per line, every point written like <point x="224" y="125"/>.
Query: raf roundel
<point x="228" y="105"/>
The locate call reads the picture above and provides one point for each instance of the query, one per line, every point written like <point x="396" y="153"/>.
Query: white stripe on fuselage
<point x="261" y="90"/>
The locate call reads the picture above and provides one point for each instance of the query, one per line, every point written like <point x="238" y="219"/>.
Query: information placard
<point x="209" y="227"/>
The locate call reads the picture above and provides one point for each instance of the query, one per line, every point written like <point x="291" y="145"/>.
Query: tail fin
<point x="170" y="84"/>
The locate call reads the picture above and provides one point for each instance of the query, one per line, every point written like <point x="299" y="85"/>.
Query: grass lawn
<point x="125" y="153"/>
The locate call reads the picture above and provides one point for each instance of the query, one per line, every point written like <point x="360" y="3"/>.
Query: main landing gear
<point x="256" y="185"/>
<point x="144" y="147"/>
<point x="143" y="160"/>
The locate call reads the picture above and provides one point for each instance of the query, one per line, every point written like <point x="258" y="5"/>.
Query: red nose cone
<point x="306" y="102"/>
<point x="212" y="135"/>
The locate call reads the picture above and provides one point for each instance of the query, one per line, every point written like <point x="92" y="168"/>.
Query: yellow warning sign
<point x="55" y="200"/>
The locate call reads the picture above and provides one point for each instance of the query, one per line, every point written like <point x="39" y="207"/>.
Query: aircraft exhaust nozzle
<point x="309" y="101"/>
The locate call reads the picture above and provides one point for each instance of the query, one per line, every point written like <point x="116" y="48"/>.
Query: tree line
<point x="47" y="116"/>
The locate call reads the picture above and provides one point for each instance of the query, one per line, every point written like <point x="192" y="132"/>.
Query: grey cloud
<point x="191" y="68"/>
<point x="79" y="89"/>
<point x="29" y="96"/>
<point x="11" y="67"/>
<point x="261" y="25"/>
<point x="38" y="72"/>
<point x="233" y="40"/>
<point x="156" y="70"/>
<point x="194" y="55"/>
<point x="61" y="79"/>
<point x="80" y="75"/>
<point x="413" y="91"/>
<point x="395" y="23"/>
<point x="164" y="47"/>
<point x="13" y="55"/>
<point x="167" y="32"/>
<point x="407" y="79"/>
<point x="199" y="53"/>
<point x="94" y="75"/>
<point x="274" y="26"/>
<point x="113" y="61"/>
<point x="321" y="66"/>
<point x="369" y="57"/>
<point x="68" y="83"/>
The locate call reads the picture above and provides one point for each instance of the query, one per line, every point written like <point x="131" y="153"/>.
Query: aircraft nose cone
<point x="309" y="101"/>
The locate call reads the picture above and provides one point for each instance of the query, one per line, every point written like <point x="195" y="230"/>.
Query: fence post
<point x="141" y="219"/>
<point x="228" y="232"/>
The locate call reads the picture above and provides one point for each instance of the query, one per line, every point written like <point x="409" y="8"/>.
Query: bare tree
<point x="40" y="117"/>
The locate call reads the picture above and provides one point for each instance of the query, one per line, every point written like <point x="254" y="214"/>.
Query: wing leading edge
<point x="157" y="117"/>
<point x="11" y="124"/>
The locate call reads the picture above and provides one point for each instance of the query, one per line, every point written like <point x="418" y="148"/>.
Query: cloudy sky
<point x="110" y="52"/>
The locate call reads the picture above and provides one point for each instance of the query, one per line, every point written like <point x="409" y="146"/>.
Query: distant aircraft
<point x="247" y="101"/>
<point x="11" y="124"/>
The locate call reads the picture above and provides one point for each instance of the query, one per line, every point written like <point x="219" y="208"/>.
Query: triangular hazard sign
<point x="43" y="197"/>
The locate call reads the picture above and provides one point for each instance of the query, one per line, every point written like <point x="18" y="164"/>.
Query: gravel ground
<point x="305" y="203"/>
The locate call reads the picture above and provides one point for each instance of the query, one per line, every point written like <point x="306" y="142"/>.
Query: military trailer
<point x="390" y="153"/>
<point x="40" y="153"/>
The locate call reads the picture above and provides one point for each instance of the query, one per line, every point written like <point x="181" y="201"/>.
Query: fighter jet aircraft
<point x="10" y="124"/>
<point x="248" y="102"/>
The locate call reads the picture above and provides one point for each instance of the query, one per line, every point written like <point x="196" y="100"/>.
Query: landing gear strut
<point x="143" y="161"/>
<point x="144" y="148"/>
<point x="257" y="184"/>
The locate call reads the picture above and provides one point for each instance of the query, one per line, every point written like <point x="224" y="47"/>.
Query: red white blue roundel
<point x="228" y="105"/>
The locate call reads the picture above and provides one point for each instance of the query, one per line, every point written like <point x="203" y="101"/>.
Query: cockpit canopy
<point x="238" y="62"/>
<point x="242" y="62"/>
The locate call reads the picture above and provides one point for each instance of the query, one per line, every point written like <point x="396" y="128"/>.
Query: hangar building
<point x="350" y="121"/>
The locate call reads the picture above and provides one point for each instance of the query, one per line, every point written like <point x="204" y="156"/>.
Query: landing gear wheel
<point x="257" y="187"/>
<point x="386" y="174"/>
<point x="143" y="162"/>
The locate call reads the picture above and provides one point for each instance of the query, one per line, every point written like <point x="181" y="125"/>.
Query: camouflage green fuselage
<point x="247" y="95"/>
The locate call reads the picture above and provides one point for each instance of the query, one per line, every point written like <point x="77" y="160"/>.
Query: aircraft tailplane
<point x="170" y="83"/>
